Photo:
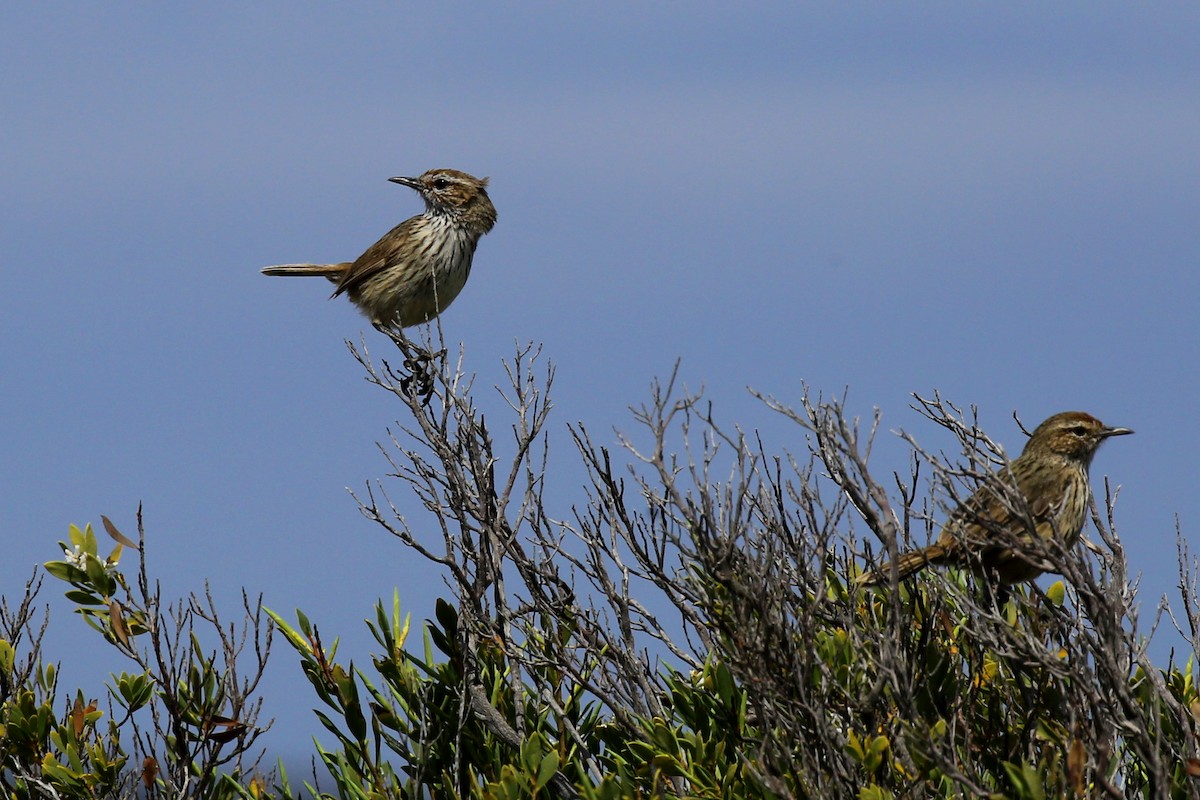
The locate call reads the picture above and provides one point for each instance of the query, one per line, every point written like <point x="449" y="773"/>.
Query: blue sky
<point x="998" y="202"/>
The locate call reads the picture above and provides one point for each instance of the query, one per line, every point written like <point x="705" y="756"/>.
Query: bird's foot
<point x="417" y="377"/>
<point x="419" y="381"/>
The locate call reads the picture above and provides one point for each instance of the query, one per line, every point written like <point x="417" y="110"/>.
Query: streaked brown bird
<point x="417" y="269"/>
<point x="1051" y="474"/>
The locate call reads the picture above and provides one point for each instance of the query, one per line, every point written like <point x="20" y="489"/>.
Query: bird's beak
<point x="411" y="183"/>
<point x="1107" y="432"/>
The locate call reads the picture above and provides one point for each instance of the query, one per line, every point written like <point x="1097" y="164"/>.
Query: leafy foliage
<point x="552" y="671"/>
<point x="179" y="725"/>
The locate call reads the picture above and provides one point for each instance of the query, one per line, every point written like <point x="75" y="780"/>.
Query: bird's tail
<point x="906" y="565"/>
<point x="333" y="272"/>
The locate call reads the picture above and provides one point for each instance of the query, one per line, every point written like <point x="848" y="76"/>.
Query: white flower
<point x="76" y="557"/>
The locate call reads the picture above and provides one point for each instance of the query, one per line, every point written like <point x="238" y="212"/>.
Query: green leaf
<point x="98" y="576"/>
<point x="302" y="621"/>
<point x="878" y="747"/>
<point x="1057" y="592"/>
<point x="134" y="690"/>
<point x="854" y="747"/>
<point x="65" y="572"/>
<point x="79" y="538"/>
<point x="1025" y="780"/>
<point x="8" y="657"/>
<point x="547" y="769"/>
<point x="447" y="616"/>
<point x="352" y="711"/>
<point x="291" y="634"/>
<point x="84" y="598"/>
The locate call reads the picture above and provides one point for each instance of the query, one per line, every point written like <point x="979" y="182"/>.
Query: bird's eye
<point x="1079" y="430"/>
<point x="440" y="183"/>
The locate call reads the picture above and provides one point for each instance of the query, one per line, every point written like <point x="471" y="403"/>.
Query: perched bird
<point x="417" y="269"/>
<point x="1052" y="475"/>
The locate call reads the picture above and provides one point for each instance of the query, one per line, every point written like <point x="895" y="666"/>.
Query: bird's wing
<point x="1046" y="503"/>
<point x="996" y="518"/>
<point x="993" y="513"/>
<point x="376" y="258"/>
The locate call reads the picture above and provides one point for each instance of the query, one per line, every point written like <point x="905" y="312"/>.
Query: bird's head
<point x="454" y="193"/>
<point x="1071" y="434"/>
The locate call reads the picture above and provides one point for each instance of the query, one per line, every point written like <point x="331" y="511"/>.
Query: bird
<point x="985" y="533"/>
<point x="416" y="270"/>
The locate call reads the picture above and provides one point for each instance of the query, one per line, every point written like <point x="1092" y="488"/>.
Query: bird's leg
<point x="418" y="381"/>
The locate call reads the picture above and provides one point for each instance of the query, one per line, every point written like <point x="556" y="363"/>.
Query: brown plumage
<point x="1051" y="474"/>
<point x="417" y="269"/>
